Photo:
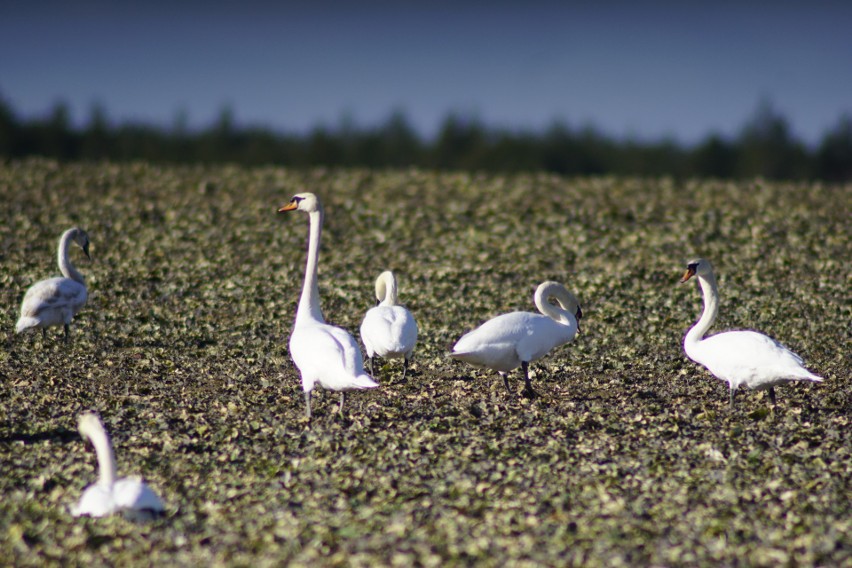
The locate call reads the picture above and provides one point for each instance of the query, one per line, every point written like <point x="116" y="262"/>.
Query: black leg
<point x="506" y="382"/>
<point x="772" y="395"/>
<point x="370" y="360"/>
<point x="528" y="390"/>
<point x="43" y="333"/>
<point x="404" y="368"/>
<point x="67" y="332"/>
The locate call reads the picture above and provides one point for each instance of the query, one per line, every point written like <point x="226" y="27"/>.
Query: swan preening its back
<point x="388" y="330"/>
<point x="742" y="358"/>
<point x="56" y="301"/>
<point x="324" y="354"/>
<point x="129" y="495"/>
<point x="519" y="338"/>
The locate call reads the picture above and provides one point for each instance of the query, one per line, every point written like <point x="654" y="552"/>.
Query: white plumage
<point x="741" y="358"/>
<point x="324" y="354"/>
<point x="516" y="339"/>
<point x="388" y="330"/>
<point x="130" y="495"/>
<point x="56" y="301"/>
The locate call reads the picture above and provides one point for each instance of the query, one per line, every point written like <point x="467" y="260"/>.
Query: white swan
<point x="742" y="358"/>
<point x="388" y="330"/>
<point x="130" y="495"/>
<point x="323" y="353"/>
<point x="56" y="301"/>
<point x="519" y="338"/>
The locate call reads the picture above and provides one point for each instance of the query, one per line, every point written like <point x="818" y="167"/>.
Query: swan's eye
<point x="693" y="266"/>
<point x="296" y="199"/>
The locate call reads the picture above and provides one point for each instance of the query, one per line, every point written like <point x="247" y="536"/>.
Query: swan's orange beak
<point x="289" y="207"/>
<point x="690" y="272"/>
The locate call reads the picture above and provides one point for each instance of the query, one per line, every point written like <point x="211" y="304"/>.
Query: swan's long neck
<point x="103" y="449"/>
<point x="568" y="304"/>
<point x="65" y="265"/>
<point x="309" y="306"/>
<point x="386" y="291"/>
<point x="711" y="307"/>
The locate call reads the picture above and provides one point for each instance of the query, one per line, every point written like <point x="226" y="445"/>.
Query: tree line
<point x="764" y="147"/>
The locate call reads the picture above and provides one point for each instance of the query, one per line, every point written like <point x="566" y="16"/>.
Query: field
<point x="629" y="456"/>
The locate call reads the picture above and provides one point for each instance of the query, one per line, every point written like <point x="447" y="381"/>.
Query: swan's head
<point x="554" y="290"/>
<point x="697" y="267"/>
<point x="307" y="202"/>
<point x="88" y="424"/>
<point x="82" y="239"/>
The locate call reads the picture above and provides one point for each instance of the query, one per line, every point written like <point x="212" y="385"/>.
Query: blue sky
<point x="639" y="69"/>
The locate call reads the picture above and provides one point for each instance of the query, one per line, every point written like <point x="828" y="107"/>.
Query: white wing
<point x="389" y="331"/>
<point x="51" y="302"/>
<point x="131" y="493"/>
<point x="502" y="343"/>
<point x="751" y="359"/>
<point x="329" y="356"/>
<point x="96" y="501"/>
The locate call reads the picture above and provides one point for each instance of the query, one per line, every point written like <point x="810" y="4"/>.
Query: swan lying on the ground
<point x="129" y="495"/>
<point x="324" y="354"/>
<point x="742" y="358"/>
<point x="519" y="338"/>
<point x="388" y="330"/>
<point x="56" y="301"/>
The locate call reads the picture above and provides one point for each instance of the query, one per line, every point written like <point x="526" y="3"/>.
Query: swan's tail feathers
<point x="811" y="377"/>
<point x="466" y="356"/>
<point x="455" y="352"/>
<point x="26" y="322"/>
<point x="364" y="381"/>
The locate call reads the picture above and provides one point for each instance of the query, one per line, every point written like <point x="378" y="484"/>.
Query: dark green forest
<point x="765" y="146"/>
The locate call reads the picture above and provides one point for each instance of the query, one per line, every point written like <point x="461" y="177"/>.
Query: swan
<point x="388" y="329"/>
<point x="324" y="354"/>
<point x="519" y="338"/>
<point x="56" y="301"/>
<point x="129" y="495"/>
<point x="742" y="358"/>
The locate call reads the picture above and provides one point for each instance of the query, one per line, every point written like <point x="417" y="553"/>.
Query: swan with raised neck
<point x="130" y="496"/>
<point x="55" y="301"/>
<point x="741" y="358"/>
<point x="324" y="354"/>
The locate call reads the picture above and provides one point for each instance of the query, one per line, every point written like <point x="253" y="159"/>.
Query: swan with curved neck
<point x="388" y="330"/>
<point x="130" y="495"/>
<point x="518" y="338"/>
<point x="741" y="358"/>
<point x="56" y="301"/>
<point x="324" y="354"/>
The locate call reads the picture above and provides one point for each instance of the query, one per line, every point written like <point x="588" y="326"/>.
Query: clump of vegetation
<point x="630" y="454"/>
